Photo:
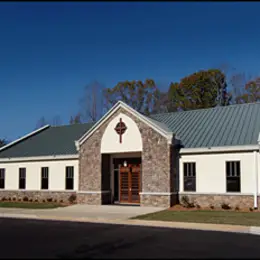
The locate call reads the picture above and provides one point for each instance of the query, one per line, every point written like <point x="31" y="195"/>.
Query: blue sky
<point x="50" y="51"/>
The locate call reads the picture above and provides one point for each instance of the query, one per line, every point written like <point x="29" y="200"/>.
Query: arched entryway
<point x="126" y="178"/>
<point x="121" y="149"/>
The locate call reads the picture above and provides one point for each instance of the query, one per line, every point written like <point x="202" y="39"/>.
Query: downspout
<point x="256" y="174"/>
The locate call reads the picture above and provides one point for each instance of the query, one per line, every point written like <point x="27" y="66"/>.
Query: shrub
<point x="72" y="198"/>
<point x="55" y="200"/>
<point x="251" y="209"/>
<point x="211" y="206"/>
<point x="237" y="208"/>
<point x="4" y="199"/>
<point x="10" y="199"/>
<point x="36" y="200"/>
<point x="19" y="199"/>
<point x="43" y="201"/>
<point x="14" y="198"/>
<point x="225" y="206"/>
<point x="61" y="201"/>
<point x="49" y="199"/>
<point x="31" y="200"/>
<point x="25" y="198"/>
<point x="186" y="202"/>
<point x="198" y="206"/>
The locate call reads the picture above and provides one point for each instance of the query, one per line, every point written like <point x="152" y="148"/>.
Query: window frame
<point x="22" y="178"/>
<point x="44" y="177"/>
<point x="191" y="174"/>
<point x="233" y="174"/>
<point x="69" y="177"/>
<point x="2" y="172"/>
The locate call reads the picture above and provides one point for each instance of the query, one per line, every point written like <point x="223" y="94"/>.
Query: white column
<point x="256" y="180"/>
<point x="256" y="173"/>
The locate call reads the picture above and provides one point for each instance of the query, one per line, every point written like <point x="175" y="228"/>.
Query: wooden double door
<point x="130" y="183"/>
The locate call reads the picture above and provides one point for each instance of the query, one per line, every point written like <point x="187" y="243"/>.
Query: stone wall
<point x="165" y="201"/>
<point x="40" y="196"/>
<point x="242" y="201"/>
<point x="156" y="162"/>
<point x="94" y="198"/>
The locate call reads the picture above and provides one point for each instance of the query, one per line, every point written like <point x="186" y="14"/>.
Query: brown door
<point x="124" y="184"/>
<point x="130" y="184"/>
<point x="135" y="184"/>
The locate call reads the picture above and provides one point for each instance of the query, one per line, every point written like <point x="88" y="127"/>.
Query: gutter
<point x="256" y="173"/>
<point x="219" y="149"/>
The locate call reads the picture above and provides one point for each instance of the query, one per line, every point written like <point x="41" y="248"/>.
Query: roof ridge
<point x="56" y="126"/>
<point x="210" y="108"/>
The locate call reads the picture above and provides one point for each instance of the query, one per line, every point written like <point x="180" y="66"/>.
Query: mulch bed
<point x="182" y="208"/>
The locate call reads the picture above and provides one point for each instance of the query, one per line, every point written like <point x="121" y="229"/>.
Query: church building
<point x="210" y="156"/>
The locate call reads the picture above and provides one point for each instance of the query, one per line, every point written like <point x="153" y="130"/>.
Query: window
<point x="2" y="178"/>
<point x="189" y="176"/>
<point x="69" y="177"/>
<point x="45" y="178"/>
<point x="233" y="176"/>
<point x="22" y="178"/>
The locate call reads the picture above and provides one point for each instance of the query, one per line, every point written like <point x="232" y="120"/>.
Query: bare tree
<point x="91" y="104"/>
<point x="56" y="121"/>
<point x="3" y="142"/>
<point x="75" y="119"/>
<point x="236" y="82"/>
<point x="41" y="122"/>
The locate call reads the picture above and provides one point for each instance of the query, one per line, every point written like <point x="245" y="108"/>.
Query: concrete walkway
<point x="117" y="215"/>
<point x="104" y="212"/>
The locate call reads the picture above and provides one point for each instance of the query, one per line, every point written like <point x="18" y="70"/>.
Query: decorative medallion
<point x="120" y="129"/>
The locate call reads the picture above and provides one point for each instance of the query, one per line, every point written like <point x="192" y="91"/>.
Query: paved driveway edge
<point x="254" y="230"/>
<point x="180" y="225"/>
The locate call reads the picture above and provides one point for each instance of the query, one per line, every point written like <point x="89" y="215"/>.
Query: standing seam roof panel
<point x="226" y="126"/>
<point x="236" y="137"/>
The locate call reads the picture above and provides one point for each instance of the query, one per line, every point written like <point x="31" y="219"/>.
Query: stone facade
<point x="39" y="196"/>
<point x="159" y="200"/>
<point x="91" y="199"/>
<point x="94" y="198"/>
<point x="156" y="163"/>
<point x="242" y="201"/>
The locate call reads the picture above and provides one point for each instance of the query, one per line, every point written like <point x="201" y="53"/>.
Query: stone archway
<point x="156" y="149"/>
<point x="121" y="139"/>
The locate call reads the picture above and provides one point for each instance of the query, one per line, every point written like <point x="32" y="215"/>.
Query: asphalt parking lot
<point x="24" y="238"/>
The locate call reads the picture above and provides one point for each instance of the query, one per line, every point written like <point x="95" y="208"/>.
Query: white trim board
<point x="24" y="137"/>
<point x="118" y="105"/>
<point x="40" y="158"/>
<point x="157" y="193"/>
<point x="93" y="192"/>
<point x="216" y="194"/>
<point x="219" y="149"/>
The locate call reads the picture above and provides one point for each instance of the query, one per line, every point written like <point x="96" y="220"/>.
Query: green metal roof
<point x="219" y="126"/>
<point x="57" y="140"/>
<point x="161" y="125"/>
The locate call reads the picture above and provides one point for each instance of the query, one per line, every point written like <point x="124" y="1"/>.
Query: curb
<point x="163" y="224"/>
<point x="10" y="215"/>
<point x="254" y="230"/>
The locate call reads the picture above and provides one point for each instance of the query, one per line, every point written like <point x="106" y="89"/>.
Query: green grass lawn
<point x="200" y="216"/>
<point x="29" y="205"/>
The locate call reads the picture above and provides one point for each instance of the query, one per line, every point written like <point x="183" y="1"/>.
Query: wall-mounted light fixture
<point x="125" y="163"/>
